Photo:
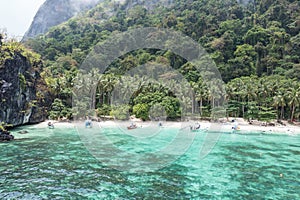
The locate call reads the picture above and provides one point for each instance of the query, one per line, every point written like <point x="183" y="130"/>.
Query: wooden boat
<point x="131" y="127"/>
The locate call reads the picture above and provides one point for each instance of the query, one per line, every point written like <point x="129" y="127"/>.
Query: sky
<point x="17" y="15"/>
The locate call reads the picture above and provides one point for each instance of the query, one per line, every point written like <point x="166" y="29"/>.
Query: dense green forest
<point x="255" y="45"/>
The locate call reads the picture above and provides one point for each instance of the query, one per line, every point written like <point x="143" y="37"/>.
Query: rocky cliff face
<point x="21" y="91"/>
<point x="55" y="12"/>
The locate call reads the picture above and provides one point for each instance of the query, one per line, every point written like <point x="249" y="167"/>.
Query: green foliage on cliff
<point x="22" y="81"/>
<point x="256" y="48"/>
<point x="4" y="126"/>
<point x="23" y="92"/>
<point x="11" y="48"/>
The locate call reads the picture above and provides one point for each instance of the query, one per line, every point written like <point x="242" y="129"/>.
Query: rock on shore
<point x="5" y="136"/>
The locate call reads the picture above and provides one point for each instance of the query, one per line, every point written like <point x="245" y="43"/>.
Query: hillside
<point x="55" y="12"/>
<point x="255" y="44"/>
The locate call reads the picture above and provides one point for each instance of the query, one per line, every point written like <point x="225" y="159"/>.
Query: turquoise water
<point x="55" y="164"/>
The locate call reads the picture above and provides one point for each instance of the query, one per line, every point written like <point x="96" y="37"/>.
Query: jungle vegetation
<point x="255" y="45"/>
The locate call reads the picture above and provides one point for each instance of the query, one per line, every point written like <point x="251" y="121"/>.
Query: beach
<point x="243" y="127"/>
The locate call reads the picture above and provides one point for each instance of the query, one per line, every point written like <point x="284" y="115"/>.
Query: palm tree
<point x="279" y="101"/>
<point x="294" y="98"/>
<point x="201" y="94"/>
<point x="109" y="86"/>
<point x="193" y="95"/>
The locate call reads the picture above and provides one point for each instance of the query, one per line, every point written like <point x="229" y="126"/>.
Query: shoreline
<point x="243" y="127"/>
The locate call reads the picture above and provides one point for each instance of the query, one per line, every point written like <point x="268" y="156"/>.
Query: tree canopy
<point x="255" y="45"/>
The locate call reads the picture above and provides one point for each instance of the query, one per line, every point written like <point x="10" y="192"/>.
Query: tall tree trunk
<point x="243" y="109"/>
<point x="109" y="98"/>
<point x="282" y="112"/>
<point x="193" y="103"/>
<point x="293" y="111"/>
<point x="201" y="103"/>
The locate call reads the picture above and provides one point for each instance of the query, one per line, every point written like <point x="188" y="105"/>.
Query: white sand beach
<point x="243" y="127"/>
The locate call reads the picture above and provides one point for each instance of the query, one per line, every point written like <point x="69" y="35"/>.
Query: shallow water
<point x="55" y="164"/>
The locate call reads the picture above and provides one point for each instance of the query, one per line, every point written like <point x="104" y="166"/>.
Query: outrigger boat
<point x="132" y="126"/>
<point x="195" y="128"/>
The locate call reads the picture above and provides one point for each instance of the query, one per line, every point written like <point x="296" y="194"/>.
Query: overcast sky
<point x="17" y="15"/>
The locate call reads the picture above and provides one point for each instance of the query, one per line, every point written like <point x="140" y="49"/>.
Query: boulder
<point x="5" y="136"/>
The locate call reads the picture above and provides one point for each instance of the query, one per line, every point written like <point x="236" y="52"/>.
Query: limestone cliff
<point x="55" y="12"/>
<point x="22" y="90"/>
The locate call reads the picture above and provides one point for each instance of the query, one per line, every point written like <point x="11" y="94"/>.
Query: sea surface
<point x="59" y="164"/>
